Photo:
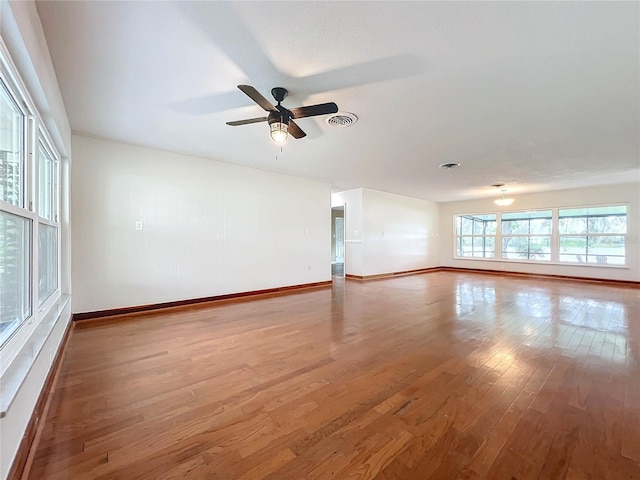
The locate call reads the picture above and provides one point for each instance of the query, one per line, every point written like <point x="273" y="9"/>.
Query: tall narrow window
<point x="593" y="235"/>
<point x="16" y="226"/>
<point x="48" y="224"/>
<point x="527" y="235"/>
<point x="476" y="235"/>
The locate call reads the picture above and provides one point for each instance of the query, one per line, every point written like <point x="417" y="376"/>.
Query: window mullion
<point x="498" y="246"/>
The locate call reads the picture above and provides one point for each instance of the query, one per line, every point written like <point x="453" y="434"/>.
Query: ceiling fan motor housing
<point x="282" y="116"/>
<point x="279" y="93"/>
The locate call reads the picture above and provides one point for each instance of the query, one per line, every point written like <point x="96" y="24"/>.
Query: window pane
<point x="527" y="248"/>
<point x="465" y="247"/>
<point x="490" y="226"/>
<point x="45" y="184"/>
<point x="11" y="165"/>
<point x="591" y="211"/>
<point x="598" y="249"/>
<point x="467" y="226"/>
<point x="515" y="226"/>
<point x="540" y="248"/>
<point x="573" y="225"/>
<point x="608" y="224"/>
<point x="484" y="247"/>
<point x="523" y="223"/>
<point x="478" y="246"/>
<point x="478" y="227"/>
<point x="573" y="249"/>
<point x="516" y="248"/>
<point x="606" y="245"/>
<point x="541" y="226"/>
<point x="47" y="261"/>
<point x="489" y="247"/>
<point x="15" y="304"/>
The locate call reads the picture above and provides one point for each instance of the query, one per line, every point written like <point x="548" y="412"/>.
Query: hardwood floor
<point x="436" y="376"/>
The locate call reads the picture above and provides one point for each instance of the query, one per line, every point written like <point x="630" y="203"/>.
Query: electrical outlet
<point x="139" y="225"/>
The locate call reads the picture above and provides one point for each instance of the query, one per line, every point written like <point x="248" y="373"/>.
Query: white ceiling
<point x="539" y="95"/>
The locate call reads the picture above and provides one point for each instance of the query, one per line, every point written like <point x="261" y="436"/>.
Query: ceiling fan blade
<point x="254" y="95"/>
<point x="247" y="122"/>
<point x="295" y="130"/>
<point x="313" y="110"/>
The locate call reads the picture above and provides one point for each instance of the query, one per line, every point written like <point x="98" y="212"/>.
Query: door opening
<point x="337" y="241"/>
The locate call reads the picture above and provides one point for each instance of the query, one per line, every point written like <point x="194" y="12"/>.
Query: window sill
<point x="555" y="264"/>
<point x="15" y="375"/>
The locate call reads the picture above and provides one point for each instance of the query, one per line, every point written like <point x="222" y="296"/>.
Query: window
<point x="47" y="227"/>
<point x="593" y="235"/>
<point x="29" y="198"/>
<point x="476" y="235"/>
<point x="527" y="235"/>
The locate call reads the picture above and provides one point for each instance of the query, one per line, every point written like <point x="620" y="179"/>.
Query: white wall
<point x="629" y="194"/>
<point x="23" y="36"/>
<point x="399" y="233"/>
<point x="209" y="228"/>
<point x="387" y="233"/>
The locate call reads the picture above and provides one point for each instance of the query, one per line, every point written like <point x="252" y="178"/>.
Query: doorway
<point x="337" y="241"/>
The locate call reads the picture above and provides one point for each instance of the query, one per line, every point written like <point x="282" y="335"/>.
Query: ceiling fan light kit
<point x="503" y="201"/>
<point x="280" y="119"/>
<point x="279" y="128"/>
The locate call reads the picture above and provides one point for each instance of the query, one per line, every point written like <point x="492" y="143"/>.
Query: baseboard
<point x="393" y="274"/>
<point x="601" y="281"/>
<point x="546" y="276"/>
<point x="180" y="304"/>
<point x="23" y="458"/>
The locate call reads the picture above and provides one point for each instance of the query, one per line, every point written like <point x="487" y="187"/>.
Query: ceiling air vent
<point x="449" y="165"/>
<point x="341" y="119"/>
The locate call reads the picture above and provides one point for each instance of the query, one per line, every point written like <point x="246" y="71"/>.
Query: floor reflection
<point x="577" y="320"/>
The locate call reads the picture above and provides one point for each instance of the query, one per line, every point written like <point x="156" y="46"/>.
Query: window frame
<point x="554" y="237"/>
<point x="588" y="235"/>
<point x="460" y="236"/>
<point x="34" y="131"/>
<point x="528" y="235"/>
<point x="54" y="201"/>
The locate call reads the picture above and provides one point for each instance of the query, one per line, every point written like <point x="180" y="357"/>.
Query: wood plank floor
<point x="435" y="376"/>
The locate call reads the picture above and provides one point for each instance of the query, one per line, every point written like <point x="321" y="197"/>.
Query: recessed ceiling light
<point x="450" y="165"/>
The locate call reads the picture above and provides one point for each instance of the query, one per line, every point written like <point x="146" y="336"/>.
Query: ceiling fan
<point x="280" y="118"/>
